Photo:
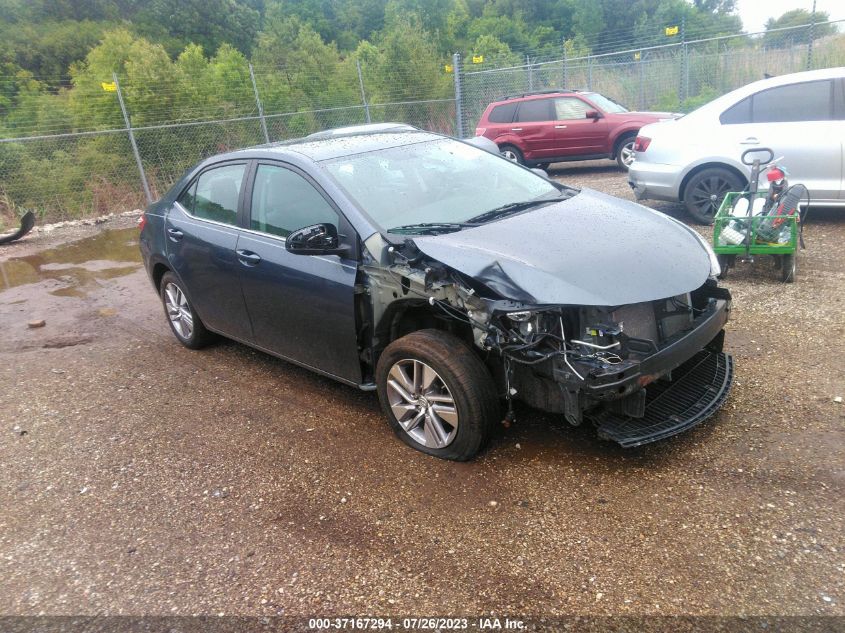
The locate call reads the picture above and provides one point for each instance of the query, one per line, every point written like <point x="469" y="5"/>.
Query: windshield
<point x="442" y="181"/>
<point x="606" y="104"/>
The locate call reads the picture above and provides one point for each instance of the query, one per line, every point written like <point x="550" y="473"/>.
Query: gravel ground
<point x="141" y="478"/>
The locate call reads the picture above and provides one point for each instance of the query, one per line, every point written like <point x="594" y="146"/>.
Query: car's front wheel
<point x="705" y="191"/>
<point x="437" y="394"/>
<point x="512" y="153"/>
<point x="625" y="152"/>
<point x="183" y="319"/>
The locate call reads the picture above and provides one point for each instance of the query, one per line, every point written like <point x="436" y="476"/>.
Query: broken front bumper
<point x="665" y="393"/>
<point x="698" y="389"/>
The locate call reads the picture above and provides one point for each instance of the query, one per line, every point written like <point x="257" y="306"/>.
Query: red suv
<point x="539" y="128"/>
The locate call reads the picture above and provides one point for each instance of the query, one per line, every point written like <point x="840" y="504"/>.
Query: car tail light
<point x="479" y="131"/>
<point x="142" y="221"/>
<point x="642" y="143"/>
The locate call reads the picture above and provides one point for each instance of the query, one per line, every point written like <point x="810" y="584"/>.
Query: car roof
<point x="538" y="94"/>
<point x="740" y="93"/>
<point x="329" y="147"/>
<point x="366" y="128"/>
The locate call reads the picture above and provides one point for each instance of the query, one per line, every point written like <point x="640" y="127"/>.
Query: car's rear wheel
<point x="437" y="394"/>
<point x="625" y="152"/>
<point x="706" y="190"/>
<point x="512" y="153"/>
<point x="183" y="319"/>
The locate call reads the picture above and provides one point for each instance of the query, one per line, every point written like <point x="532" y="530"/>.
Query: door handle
<point x="560" y="127"/>
<point x="248" y="258"/>
<point x="751" y="140"/>
<point x="516" y="129"/>
<point x="175" y="234"/>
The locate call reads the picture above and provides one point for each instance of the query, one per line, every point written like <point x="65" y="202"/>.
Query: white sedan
<point x="696" y="159"/>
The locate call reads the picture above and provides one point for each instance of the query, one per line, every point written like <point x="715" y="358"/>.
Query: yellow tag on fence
<point x="477" y="59"/>
<point x="448" y="68"/>
<point x="109" y="86"/>
<point x="672" y="30"/>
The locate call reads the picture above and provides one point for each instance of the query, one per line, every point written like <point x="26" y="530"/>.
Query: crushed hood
<point x="591" y="249"/>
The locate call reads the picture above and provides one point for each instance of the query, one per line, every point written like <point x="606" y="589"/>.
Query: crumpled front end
<point x="640" y="372"/>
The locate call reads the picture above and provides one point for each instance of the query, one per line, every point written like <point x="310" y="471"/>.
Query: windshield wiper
<point x="429" y="227"/>
<point x="508" y="209"/>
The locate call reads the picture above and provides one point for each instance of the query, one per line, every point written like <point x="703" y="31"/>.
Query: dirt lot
<point x="139" y="477"/>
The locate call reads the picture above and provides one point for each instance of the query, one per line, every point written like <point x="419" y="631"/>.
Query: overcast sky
<point x="754" y="13"/>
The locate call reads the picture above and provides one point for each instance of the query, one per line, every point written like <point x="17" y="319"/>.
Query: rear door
<point x="201" y="232"/>
<point x="799" y="123"/>
<point x="302" y="307"/>
<point x="535" y="126"/>
<point x="576" y="135"/>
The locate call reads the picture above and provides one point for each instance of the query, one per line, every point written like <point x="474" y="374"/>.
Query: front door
<point x="202" y="234"/>
<point x="302" y="307"/>
<point x="575" y="134"/>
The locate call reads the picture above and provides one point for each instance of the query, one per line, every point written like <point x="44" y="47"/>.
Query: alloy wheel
<point x="626" y="153"/>
<point x="422" y="403"/>
<point x="510" y="155"/>
<point x="178" y="310"/>
<point x="709" y="193"/>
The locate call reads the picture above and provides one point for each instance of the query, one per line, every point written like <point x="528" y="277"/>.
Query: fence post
<point x="260" y="107"/>
<point x="589" y="72"/>
<point x="812" y="37"/>
<point x="641" y="81"/>
<point x="363" y="94"/>
<point x="684" y="89"/>
<point x="144" y="182"/>
<point x="565" y="83"/>
<point x="458" y="69"/>
<point x="530" y="74"/>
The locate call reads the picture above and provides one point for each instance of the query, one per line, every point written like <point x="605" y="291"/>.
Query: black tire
<point x="706" y="190"/>
<point x="543" y="166"/>
<point x="622" y="143"/>
<point x="789" y="268"/>
<point x="199" y="336"/>
<point x="725" y="262"/>
<point x="465" y="378"/>
<point x="512" y="153"/>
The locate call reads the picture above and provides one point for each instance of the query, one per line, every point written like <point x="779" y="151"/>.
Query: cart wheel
<point x="789" y="268"/>
<point x="724" y="263"/>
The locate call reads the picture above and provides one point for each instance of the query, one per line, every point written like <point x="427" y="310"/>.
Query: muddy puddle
<point x="73" y="268"/>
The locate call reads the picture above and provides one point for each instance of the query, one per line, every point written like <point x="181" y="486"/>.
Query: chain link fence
<point x="65" y="167"/>
<point x="678" y="76"/>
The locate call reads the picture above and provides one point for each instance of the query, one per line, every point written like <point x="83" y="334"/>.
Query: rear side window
<point x="535" y="110"/>
<point x="808" y="101"/>
<point x="217" y="193"/>
<point x="283" y="201"/>
<point x="739" y="113"/>
<point x="502" y="113"/>
<point x="567" y="108"/>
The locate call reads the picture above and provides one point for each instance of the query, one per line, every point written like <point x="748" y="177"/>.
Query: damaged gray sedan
<point x="450" y="281"/>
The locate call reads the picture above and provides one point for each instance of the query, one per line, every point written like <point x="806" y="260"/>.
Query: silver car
<point x="696" y="159"/>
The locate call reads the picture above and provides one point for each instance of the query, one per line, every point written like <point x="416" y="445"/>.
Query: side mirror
<point x="592" y="114"/>
<point x="317" y="239"/>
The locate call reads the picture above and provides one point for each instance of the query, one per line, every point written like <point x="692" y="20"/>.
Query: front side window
<point x="434" y="181"/>
<point x="217" y="192"/>
<point x="605" y="103"/>
<point x="283" y="201"/>
<point x="535" y="110"/>
<point x="568" y="108"/>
